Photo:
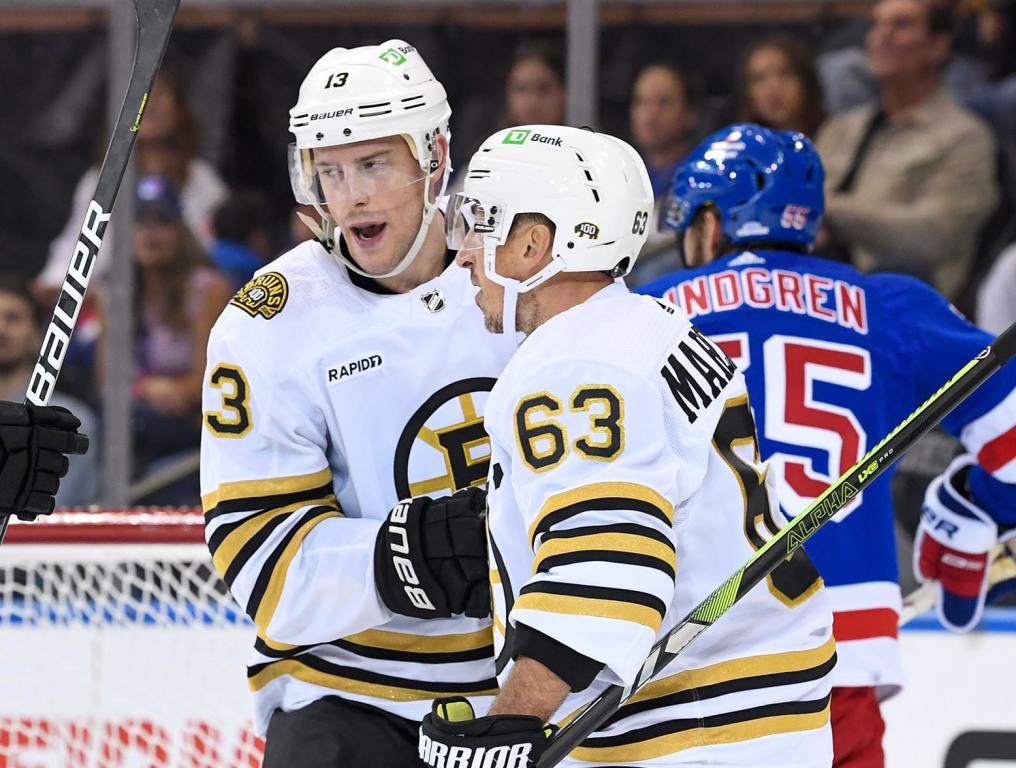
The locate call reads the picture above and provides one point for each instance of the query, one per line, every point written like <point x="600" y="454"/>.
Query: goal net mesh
<point x="119" y="646"/>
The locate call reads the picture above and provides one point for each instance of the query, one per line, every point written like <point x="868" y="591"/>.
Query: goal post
<point x="120" y="646"/>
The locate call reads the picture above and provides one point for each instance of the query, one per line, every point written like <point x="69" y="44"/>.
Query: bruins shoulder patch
<point x="265" y="295"/>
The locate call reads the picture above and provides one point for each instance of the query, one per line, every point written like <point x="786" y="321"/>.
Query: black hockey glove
<point x="34" y="442"/>
<point x="430" y="558"/>
<point x="450" y="735"/>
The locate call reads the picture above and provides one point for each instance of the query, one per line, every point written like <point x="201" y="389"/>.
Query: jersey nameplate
<point x="264" y="296"/>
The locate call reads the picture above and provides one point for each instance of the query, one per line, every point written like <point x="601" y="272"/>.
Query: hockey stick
<point x="786" y="542"/>
<point x="155" y="21"/>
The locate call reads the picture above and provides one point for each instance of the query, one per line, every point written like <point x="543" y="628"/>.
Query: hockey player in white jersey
<point x="625" y="486"/>
<point x="346" y="375"/>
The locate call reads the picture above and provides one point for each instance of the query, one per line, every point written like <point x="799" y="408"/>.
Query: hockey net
<point x="119" y="646"/>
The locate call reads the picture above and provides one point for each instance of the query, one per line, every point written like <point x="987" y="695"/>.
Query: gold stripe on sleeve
<point x="590" y="606"/>
<point x="704" y="737"/>
<point x="277" y="581"/>
<point x="616" y="542"/>
<point x="598" y="491"/>
<point x="399" y="641"/>
<point x="276" y="486"/>
<point x="238" y="538"/>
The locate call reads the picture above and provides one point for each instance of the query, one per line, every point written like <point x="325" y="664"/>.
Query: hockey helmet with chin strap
<point x="358" y="94"/>
<point x="766" y="184"/>
<point x="593" y="187"/>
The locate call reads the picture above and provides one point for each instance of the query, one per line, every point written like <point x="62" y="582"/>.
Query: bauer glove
<point x="34" y="443"/>
<point x="430" y="557"/>
<point x="953" y="547"/>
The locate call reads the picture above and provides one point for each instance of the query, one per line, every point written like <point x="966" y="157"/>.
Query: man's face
<point x="373" y="192"/>
<point x="19" y="337"/>
<point x="900" y="43"/>
<point x="660" y="115"/>
<point x="775" y="92"/>
<point x="700" y="239"/>
<point x="533" y="94"/>
<point x="157" y="240"/>
<point x="490" y="298"/>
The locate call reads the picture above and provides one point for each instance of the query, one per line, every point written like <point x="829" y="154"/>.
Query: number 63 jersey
<point x="625" y="486"/>
<point x="324" y="405"/>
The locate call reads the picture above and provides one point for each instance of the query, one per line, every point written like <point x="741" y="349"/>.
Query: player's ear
<point x="539" y="243"/>
<point x="440" y="156"/>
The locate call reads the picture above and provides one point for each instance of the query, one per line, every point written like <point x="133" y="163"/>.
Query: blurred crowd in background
<point x="912" y="108"/>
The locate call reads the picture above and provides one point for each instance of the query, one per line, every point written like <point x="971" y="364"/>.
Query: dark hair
<point x="523" y="219"/>
<point x="185" y="135"/>
<point x="941" y="17"/>
<point x="16" y="286"/>
<point x="547" y="52"/>
<point x="690" y="84"/>
<point x="802" y="63"/>
<point x="243" y="214"/>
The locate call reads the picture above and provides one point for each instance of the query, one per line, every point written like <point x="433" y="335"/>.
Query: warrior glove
<point x="451" y="735"/>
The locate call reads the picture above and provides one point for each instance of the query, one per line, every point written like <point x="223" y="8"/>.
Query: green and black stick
<point x="786" y="542"/>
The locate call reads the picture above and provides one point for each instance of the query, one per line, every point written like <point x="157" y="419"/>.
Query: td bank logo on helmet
<point x="520" y="136"/>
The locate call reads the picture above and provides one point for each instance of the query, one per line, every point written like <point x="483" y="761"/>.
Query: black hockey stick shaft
<point x="155" y="22"/>
<point x="787" y="541"/>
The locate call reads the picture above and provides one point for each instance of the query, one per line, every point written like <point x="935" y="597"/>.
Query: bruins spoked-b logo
<point x="264" y="296"/>
<point x="443" y="446"/>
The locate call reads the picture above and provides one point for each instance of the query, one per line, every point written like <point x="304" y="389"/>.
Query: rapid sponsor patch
<point x="265" y="296"/>
<point x="347" y="370"/>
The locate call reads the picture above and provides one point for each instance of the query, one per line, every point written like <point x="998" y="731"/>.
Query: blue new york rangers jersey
<point x="834" y="360"/>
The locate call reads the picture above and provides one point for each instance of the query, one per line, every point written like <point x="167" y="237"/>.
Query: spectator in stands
<point x="910" y="180"/>
<point x="778" y="86"/>
<point x="177" y="296"/>
<point x="166" y="145"/>
<point x="664" y="120"/>
<point x="995" y="99"/>
<point x="21" y="328"/>
<point x="242" y="236"/>
<point x="996" y="300"/>
<point x="534" y="88"/>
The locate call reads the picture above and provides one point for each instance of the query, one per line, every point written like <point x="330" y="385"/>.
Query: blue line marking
<point x="995" y="620"/>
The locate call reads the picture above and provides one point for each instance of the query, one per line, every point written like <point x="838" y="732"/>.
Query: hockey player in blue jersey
<point x="833" y="360"/>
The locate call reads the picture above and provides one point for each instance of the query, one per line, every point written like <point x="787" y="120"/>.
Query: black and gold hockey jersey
<point x="324" y="404"/>
<point x="625" y="486"/>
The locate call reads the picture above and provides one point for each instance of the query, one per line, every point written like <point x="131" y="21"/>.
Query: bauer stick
<point x="786" y="542"/>
<point x="155" y="21"/>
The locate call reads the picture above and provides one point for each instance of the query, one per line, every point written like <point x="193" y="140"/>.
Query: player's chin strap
<point x="512" y="288"/>
<point x="325" y="231"/>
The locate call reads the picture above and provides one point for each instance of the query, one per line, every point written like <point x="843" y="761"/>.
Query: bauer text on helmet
<point x="371" y="153"/>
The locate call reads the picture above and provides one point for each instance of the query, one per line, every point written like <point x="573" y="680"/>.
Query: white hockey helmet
<point x="594" y="187"/>
<point x="371" y="92"/>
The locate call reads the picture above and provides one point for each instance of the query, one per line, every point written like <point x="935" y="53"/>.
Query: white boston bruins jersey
<point x="324" y="405"/>
<point x="625" y="486"/>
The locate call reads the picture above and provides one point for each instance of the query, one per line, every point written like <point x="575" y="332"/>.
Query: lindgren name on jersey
<point x="339" y="373"/>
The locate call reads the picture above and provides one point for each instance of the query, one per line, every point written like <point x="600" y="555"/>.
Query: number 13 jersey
<point x="324" y="405"/>
<point x="625" y="486"/>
